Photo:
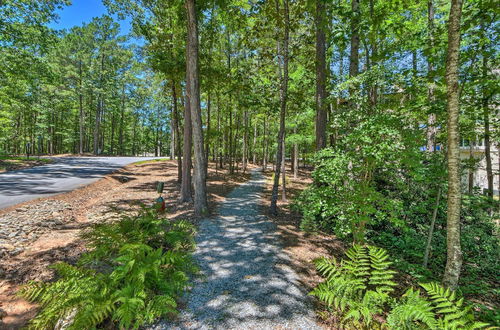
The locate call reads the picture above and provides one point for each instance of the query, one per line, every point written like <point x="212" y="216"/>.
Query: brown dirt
<point x="103" y="200"/>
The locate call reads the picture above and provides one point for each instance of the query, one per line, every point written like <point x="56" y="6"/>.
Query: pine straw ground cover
<point x="102" y="201"/>
<point x="304" y="248"/>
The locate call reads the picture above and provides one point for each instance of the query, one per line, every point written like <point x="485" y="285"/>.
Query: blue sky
<point x="82" y="11"/>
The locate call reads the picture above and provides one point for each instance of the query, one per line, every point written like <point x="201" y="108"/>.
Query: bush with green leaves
<point x="134" y="272"/>
<point x="345" y="197"/>
<point x="358" y="290"/>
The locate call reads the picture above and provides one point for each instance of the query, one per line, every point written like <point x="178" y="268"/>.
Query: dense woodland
<point x="375" y="95"/>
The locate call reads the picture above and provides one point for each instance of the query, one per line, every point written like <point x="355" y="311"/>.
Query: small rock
<point x="7" y="246"/>
<point x="16" y="251"/>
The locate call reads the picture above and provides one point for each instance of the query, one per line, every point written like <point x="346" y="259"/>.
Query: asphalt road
<point x="65" y="174"/>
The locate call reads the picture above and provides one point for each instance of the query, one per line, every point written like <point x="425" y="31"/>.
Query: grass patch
<point x="150" y="161"/>
<point x="24" y="158"/>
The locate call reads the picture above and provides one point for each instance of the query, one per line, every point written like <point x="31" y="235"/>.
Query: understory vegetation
<point x="393" y="207"/>
<point x="133" y="273"/>
<point x="359" y="290"/>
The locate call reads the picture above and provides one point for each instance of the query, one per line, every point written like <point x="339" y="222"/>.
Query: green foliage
<point x="454" y="315"/>
<point x="359" y="286"/>
<point x="133" y="273"/>
<point x="412" y="311"/>
<point x="358" y="289"/>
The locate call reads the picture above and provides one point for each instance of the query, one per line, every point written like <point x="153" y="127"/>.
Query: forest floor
<point x="12" y="163"/>
<point x="38" y="233"/>
<point x="247" y="281"/>
<point x="301" y="247"/>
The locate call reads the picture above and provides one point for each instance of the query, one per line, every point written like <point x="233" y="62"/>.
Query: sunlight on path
<point x="246" y="282"/>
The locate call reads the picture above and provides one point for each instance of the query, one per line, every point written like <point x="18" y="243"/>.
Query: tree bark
<point x="207" y="135"/>
<point x="295" y="157"/>
<point x="283" y="172"/>
<point x="245" y="138"/>
<point x="486" y="119"/>
<point x="172" y="136"/>
<point x="254" y="148"/>
<point x="264" y="148"/>
<point x="431" y="121"/>
<point x="186" y="194"/>
<point x="431" y="229"/>
<point x="354" y="54"/>
<point x="320" y="75"/>
<point x="454" y="251"/>
<point x="283" y="105"/>
<point x="193" y="95"/>
<point x="82" y="118"/>
<point x="177" y="132"/>
<point x="470" y="181"/>
<point x="122" y="119"/>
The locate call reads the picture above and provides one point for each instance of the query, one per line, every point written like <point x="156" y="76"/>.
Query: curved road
<point x="65" y="174"/>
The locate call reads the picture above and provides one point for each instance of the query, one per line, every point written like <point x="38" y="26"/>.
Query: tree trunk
<point x="186" y="155"/>
<point x="470" y="181"/>
<point x="264" y="148"/>
<point x="320" y="75"/>
<point x="207" y="135"/>
<point x="283" y="105"/>
<point x="295" y="157"/>
<point x="431" y="229"/>
<point x="283" y="172"/>
<point x="112" y="139"/>
<point x="245" y="138"/>
<point x="172" y="136"/>
<point x="354" y="55"/>
<point x="82" y="118"/>
<point x="193" y="95"/>
<point x="97" y="126"/>
<point x="486" y="119"/>
<point x="373" y="91"/>
<point x="254" y="148"/>
<point x="431" y="121"/>
<point x="454" y="251"/>
<point x="177" y="132"/>
<point x="122" y="119"/>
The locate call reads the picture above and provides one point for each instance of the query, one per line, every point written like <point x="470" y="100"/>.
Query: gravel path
<point x="246" y="282"/>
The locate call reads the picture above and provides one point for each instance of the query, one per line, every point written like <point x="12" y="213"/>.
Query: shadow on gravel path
<point x="246" y="280"/>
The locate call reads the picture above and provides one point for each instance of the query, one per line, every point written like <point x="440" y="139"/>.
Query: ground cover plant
<point x="394" y="209"/>
<point x="133" y="273"/>
<point x="359" y="290"/>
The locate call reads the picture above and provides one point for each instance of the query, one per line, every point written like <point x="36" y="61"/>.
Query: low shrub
<point x="133" y="273"/>
<point x="358" y="291"/>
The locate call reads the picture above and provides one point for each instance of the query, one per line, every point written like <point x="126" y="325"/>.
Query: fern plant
<point x="359" y="286"/>
<point x="453" y="313"/>
<point x="358" y="289"/>
<point x="129" y="278"/>
<point x="412" y="311"/>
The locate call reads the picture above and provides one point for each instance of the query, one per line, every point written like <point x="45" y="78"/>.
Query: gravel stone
<point x="25" y="224"/>
<point x="246" y="280"/>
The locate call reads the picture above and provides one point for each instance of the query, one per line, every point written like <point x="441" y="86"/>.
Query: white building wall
<point x="480" y="178"/>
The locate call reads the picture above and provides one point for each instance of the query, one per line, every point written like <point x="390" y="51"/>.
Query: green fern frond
<point x="358" y="264"/>
<point x="413" y="312"/>
<point x="453" y="314"/>
<point x="327" y="267"/>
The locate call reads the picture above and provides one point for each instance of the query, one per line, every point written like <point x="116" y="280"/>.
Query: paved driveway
<point x="65" y="174"/>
